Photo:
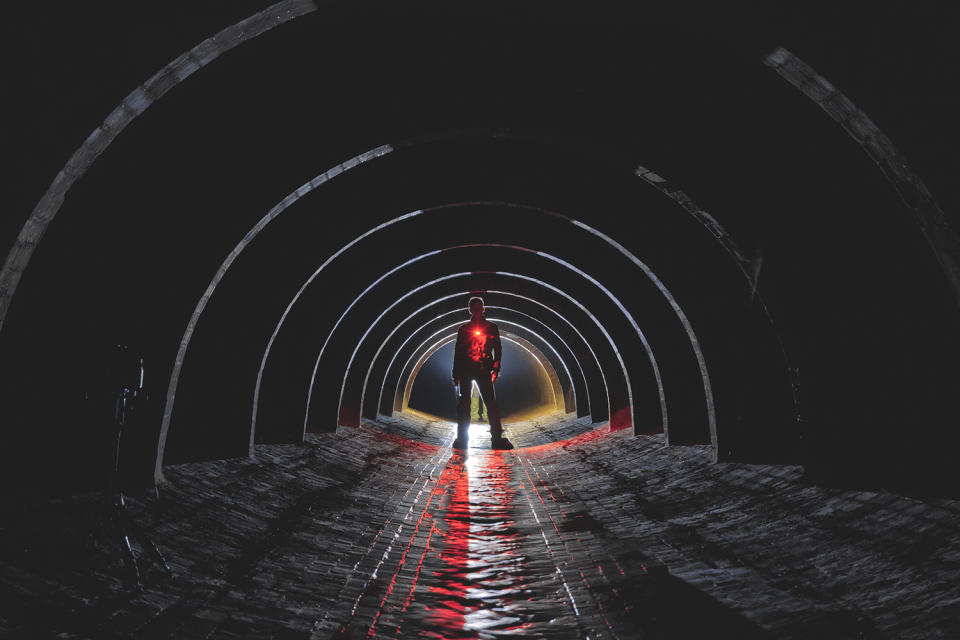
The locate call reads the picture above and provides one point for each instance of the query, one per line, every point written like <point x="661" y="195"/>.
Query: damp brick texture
<point x="599" y="534"/>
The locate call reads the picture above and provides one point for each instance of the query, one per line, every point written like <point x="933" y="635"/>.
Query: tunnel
<point x="717" y="245"/>
<point x="535" y="388"/>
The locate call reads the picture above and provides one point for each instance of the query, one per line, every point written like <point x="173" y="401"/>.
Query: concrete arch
<point x="655" y="281"/>
<point x="358" y="161"/>
<point x="138" y="101"/>
<point x="561" y="401"/>
<point x="323" y="178"/>
<point x="178" y="70"/>
<point x="942" y="239"/>
<point x="511" y="329"/>
<point x="590" y="362"/>
<point x="608" y="370"/>
<point x="709" y="403"/>
<point x="186" y="68"/>
<point x="308" y="187"/>
<point x="373" y="403"/>
<point x="353" y="416"/>
<point x="426" y="350"/>
<point x="605" y="239"/>
<point x="542" y="345"/>
<point x="582" y="226"/>
<point x="621" y="402"/>
<point x="131" y="107"/>
<point x="379" y="152"/>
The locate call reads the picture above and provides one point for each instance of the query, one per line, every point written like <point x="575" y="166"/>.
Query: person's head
<point x="476" y="306"/>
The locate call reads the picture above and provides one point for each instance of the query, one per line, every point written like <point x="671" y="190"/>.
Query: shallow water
<point x="485" y="569"/>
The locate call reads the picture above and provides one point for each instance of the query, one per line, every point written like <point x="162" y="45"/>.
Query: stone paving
<point x="384" y="532"/>
<point x="544" y="429"/>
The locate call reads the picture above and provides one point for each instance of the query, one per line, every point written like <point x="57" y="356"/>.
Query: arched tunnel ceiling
<point x="506" y="230"/>
<point x="819" y="232"/>
<point x="385" y="363"/>
<point x="539" y="389"/>
<point x="392" y="226"/>
<point x="339" y="352"/>
<point x="507" y="263"/>
<point x="563" y="358"/>
<point x="510" y="331"/>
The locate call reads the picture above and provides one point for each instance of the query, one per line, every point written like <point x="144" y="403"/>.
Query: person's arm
<point x="458" y="356"/>
<point x="497" y="350"/>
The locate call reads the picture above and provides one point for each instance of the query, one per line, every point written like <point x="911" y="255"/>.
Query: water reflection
<point x="480" y="588"/>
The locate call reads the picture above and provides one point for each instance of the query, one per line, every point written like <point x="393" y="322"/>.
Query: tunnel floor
<point x="597" y="535"/>
<point x="547" y="428"/>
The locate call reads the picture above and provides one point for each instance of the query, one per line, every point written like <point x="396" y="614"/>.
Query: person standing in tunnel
<point x="476" y="357"/>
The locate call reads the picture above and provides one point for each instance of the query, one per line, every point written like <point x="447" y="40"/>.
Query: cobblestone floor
<point x="547" y="428"/>
<point x="580" y="533"/>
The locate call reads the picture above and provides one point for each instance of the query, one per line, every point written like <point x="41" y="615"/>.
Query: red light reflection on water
<point x="462" y="559"/>
<point x="448" y="598"/>
<point x="479" y="586"/>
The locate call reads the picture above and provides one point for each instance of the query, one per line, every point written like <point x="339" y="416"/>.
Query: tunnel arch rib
<point x="337" y="170"/>
<point x="425" y="351"/>
<point x="940" y="236"/>
<point x="449" y="277"/>
<point x="581" y="403"/>
<point x="509" y="331"/>
<point x="598" y="397"/>
<point x="565" y="264"/>
<point x="131" y="107"/>
<point x="183" y="67"/>
<point x="605" y="238"/>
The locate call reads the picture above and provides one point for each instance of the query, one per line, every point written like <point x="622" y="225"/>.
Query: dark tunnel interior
<point x="525" y="389"/>
<point x="720" y="245"/>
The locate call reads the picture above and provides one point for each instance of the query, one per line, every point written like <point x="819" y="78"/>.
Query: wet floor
<point x="485" y="558"/>
<point x="371" y="534"/>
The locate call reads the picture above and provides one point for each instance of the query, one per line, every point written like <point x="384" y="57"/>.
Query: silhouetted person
<point x="124" y="388"/>
<point x="476" y="357"/>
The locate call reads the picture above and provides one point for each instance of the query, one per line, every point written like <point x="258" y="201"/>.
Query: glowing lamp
<point x="476" y="333"/>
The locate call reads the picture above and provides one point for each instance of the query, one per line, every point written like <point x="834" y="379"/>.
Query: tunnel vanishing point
<point x="720" y="246"/>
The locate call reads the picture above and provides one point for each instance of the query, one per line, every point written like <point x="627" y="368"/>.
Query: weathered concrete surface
<point x="365" y="533"/>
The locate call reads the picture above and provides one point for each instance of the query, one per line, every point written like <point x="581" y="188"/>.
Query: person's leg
<point x="479" y="404"/>
<point x="463" y="408"/>
<point x="493" y="407"/>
